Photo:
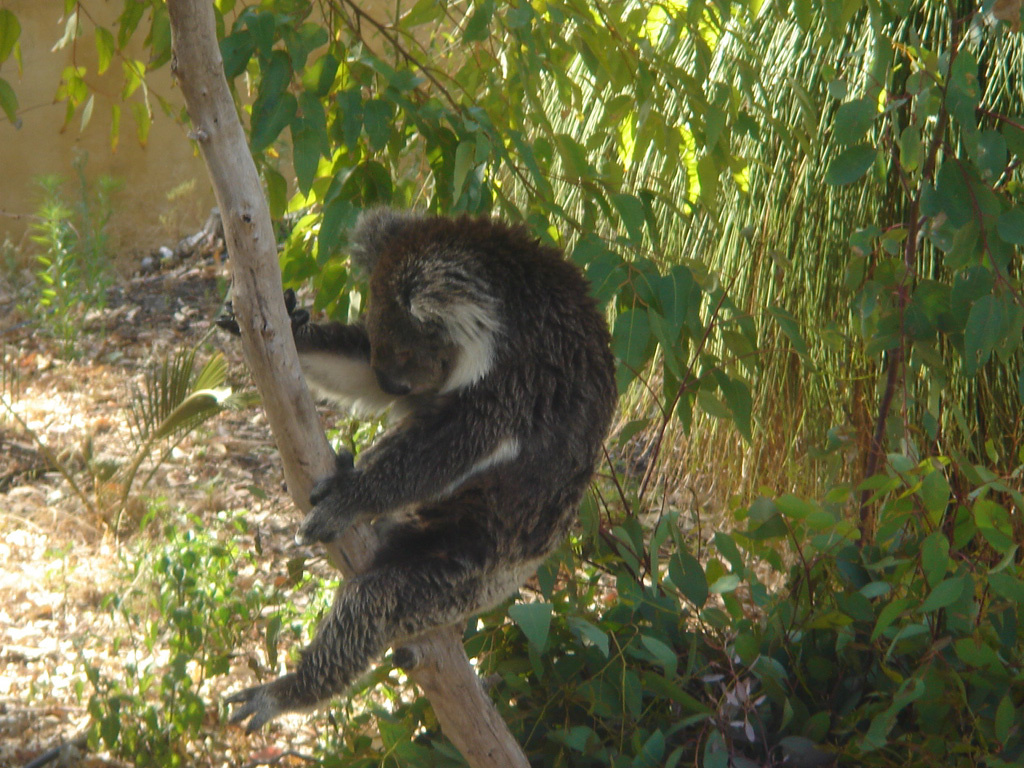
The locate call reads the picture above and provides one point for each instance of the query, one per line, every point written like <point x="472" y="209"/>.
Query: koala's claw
<point x="258" y="703"/>
<point x="289" y="301"/>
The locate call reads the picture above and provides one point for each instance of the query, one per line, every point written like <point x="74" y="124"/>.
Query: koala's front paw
<point x="344" y="468"/>
<point x="262" y="703"/>
<point x="228" y="322"/>
<point x="299" y="317"/>
<point x="332" y="512"/>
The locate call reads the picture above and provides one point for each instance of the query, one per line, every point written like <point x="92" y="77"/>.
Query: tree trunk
<point x="442" y="669"/>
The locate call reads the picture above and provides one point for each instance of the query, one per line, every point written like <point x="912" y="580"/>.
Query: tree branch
<point x="441" y="667"/>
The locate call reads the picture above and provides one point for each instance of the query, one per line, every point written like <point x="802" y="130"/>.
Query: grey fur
<point x="373" y="232"/>
<point x="488" y="345"/>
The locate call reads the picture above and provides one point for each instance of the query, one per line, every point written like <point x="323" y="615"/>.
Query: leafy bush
<point x="185" y="596"/>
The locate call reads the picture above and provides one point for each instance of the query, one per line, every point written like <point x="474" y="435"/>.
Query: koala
<point x="496" y="366"/>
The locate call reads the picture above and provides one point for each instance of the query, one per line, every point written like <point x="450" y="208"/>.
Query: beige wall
<point x="144" y="218"/>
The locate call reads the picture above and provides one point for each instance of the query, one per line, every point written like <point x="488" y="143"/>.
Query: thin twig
<point x="78" y="742"/>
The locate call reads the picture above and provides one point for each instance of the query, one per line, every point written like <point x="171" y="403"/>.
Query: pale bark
<point x="467" y="716"/>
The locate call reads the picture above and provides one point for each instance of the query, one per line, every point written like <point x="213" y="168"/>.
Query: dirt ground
<point x="57" y="559"/>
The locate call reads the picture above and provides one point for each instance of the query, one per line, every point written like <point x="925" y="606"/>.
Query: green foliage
<point x="909" y="645"/>
<point x="366" y="130"/>
<point x="185" y="596"/>
<point x="75" y="269"/>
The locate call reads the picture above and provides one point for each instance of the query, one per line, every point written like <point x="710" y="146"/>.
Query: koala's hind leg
<point x="420" y="580"/>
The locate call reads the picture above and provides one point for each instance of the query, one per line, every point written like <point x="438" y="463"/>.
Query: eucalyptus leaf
<point x="476" y="28"/>
<point x="911" y="149"/>
<point x="964" y="91"/>
<point x="464" y="155"/>
<point x="9" y="102"/>
<point x="850" y="164"/>
<point x="1011" y="225"/>
<point x="631" y="210"/>
<point x="983" y="332"/>
<point x="943" y="595"/>
<point x="631" y="339"/>
<point x="270" y="117"/>
<point x="688" y="577"/>
<point x="853" y="120"/>
<point x="535" y="621"/>
<point x="305" y="157"/>
<point x="377" y="122"/>
<point x="10" y="31"/>
<point x="990" y="155"/>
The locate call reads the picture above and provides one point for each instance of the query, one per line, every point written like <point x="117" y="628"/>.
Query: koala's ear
<point x="430" y="306"/>
<point x="375" y="231"/>
<point x="468" y="311"/>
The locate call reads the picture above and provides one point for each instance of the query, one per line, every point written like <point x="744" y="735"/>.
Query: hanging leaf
<point x="305" y="157"/>
<point x="790" y="327"/>
<point x="963" y="92"/>
<point x="535" y="621"/>
<point x="990" y="155"/>
<point x="8" y="101"/>
<point x="737" y="397"/>
<point x="853" y="119"/>
<point x="104" y="49"/>
<point x="10" y="31"/>
<point x="984" y="329"/>
<point x="464" y="156"/>
<point x="850" y="165"/>
<point x="631" y="210"/>
<point x="630" y="339"/>
<point x="911" y="149"/>
<point x="377" y="121"/>
<point x="688" y="577"/>
<point x="1010" y="226"/>
<point x="479" y="22"/>
<point x="945" y="594"/>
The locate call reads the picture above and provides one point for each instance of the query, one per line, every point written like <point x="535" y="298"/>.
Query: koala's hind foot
<point x="262" y="703"/>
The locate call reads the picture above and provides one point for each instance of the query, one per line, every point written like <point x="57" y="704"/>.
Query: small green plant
<point x="173" y="400"/>
<point x="58" y="280"/>
<point x="74" y="263"/>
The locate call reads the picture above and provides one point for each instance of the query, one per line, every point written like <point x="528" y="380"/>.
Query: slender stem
<point x="896" y="360"/>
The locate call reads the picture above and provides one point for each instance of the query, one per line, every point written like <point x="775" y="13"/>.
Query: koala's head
<point x="432" y="318"/>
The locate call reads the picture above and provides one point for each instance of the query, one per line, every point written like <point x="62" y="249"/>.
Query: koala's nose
<point x="390" y="385"/>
